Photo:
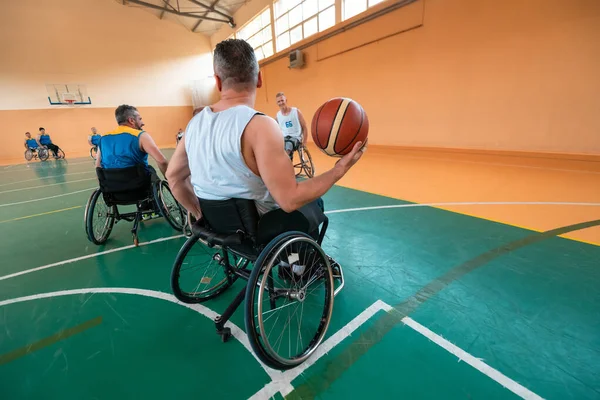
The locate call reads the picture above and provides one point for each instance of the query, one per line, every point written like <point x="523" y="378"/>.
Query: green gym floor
<point x="437" y="305"/>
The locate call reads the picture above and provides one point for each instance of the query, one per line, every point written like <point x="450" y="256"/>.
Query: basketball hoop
<point x="68" y="98"/>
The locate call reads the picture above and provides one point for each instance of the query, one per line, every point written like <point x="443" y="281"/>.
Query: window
<point x="258" y="33"/>
<point x="355" y="7"/>
<point x="298" y="19"/>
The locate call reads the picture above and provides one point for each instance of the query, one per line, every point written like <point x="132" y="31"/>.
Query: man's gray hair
<point x="124" y="112"/>
<point x="235" y="63"/>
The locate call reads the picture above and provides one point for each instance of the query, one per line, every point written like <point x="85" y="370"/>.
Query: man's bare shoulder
<point x="263" y="125"/>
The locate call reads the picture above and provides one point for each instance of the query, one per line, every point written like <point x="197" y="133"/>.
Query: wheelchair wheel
<point x="93" y="152"/>
<point x="305" y="163"/>
<point x="28" y="155"/>
<point x="43" y="154"/>
<point x="61" y="154"/>
<point x="99" y="218"/>
<point x="168" y="206"/>
<point x="289" y="298"/>
<point x="199" y="273"/>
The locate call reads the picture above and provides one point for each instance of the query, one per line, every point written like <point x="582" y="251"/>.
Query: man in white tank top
<point x="229" y="150"/>
<point x="292" y="125"/>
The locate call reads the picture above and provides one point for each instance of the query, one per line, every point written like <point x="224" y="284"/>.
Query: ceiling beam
<point x="182" y="14"/>
<point x="212" y="9"/>
<point x="214" y="3"/>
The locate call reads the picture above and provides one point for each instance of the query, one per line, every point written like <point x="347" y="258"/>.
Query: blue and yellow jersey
<point x="96" y="139"/>
<point x="45" y="140"/>
<point x="32" y="143"/>
<point x="121" y="148"/>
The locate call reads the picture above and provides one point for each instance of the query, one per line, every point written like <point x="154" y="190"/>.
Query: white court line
<point x="473" y="203"/>
<point x="501" y="165"/>
<point x="285" y="380"/>
<point x="44" y="186"/>
<point x="46" y="198"/>
<point x="476" y="363"/>
<point x="175" y="237"/>
<point x="205" y="311"/>
<point x="287" y="377"/>
<point x="46" y="177"/>
<point x="72" y="260"/>
<point x="31" y="168"/>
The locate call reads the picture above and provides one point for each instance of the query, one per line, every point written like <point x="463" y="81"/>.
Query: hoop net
<point x="68" y="98"/>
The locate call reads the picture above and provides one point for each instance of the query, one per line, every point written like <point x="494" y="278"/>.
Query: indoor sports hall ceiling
<point x="199" y="16"/>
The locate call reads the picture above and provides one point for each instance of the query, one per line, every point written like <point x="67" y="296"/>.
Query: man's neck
<point x="286" y="110"/>
<point x="231" y="98"/>
<point x="129" y="126"/>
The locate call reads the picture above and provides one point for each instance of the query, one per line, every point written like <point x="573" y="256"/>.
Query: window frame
<point x="290" y="28"/>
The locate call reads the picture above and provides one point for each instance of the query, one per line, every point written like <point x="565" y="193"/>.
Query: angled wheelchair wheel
<point x="61" y="154"/>
<point x="93" y="152"/>
<point x="289" y="300"/>
<point x="307" y="163"/>
<point x="43" y="154"/>
<point x="168" y="206"/>
<point x="28" y="155"/>
<point x="199" y="272"/>
<point x="99" y="218"/>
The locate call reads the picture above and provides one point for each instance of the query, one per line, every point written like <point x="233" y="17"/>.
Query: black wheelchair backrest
<point x="117" y="180"/>
<point x="227" y="217"/>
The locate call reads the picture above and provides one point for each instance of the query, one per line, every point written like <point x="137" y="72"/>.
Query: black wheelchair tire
<point x="43" y="154"/>
<point x="175" y="287"/>
<point x="93" y="152"/>
<point x="253" y="281"/>
<point x="157" y="189"/>
<point x="89" y="220"/>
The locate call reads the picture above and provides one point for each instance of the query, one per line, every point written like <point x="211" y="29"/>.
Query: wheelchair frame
<point x="302" y="165"/>
<point x="37" y="154"/>
<point x="114" y="216"/>
<point x="224" y="243"/>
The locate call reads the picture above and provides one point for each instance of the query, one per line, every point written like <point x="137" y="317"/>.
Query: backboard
<point x="67" y="94"/>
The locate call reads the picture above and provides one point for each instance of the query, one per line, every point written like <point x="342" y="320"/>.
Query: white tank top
<point x="290" y="124"/>
<point x="214" y="150"/>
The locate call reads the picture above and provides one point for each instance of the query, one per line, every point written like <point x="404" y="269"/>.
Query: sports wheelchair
<point x="94" y="152"/>
<point x="128" y="186"/>
<point x="40" y="153"/>
<point x="291" y="282"/>
<point x="305" y="162"/>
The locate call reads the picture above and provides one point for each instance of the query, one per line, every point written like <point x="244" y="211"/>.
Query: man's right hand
<point x="344" y="164"/>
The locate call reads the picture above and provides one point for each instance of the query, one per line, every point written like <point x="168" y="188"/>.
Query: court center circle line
<point x="236" y="332"/>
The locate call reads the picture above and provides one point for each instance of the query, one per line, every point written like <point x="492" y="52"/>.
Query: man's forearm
<point x="311" y="189"/>
<point x="163" y="167"/>
<point x="184" y="194"/>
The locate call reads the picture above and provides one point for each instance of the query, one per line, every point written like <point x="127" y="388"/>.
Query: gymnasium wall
<point x="477" y="74"/>
<point x="124" y="55"/>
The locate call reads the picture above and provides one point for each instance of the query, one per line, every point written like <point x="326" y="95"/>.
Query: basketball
<point x="338" y="124"/>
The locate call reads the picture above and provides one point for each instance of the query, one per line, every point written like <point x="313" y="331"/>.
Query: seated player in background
<point x="30" y="143"/>
<point x="94" y="138"/>
<point x="128" y="145"/>
<point x="44" y="140"/>
<point x="292" y="125"/>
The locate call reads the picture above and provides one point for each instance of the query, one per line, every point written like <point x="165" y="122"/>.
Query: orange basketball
<point x="338" y="124"/>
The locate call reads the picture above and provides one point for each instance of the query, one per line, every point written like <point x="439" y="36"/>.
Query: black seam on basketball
<point x="362" y="116"/>
<point x="317" y="126"/>
<point x="333" y="123"/>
